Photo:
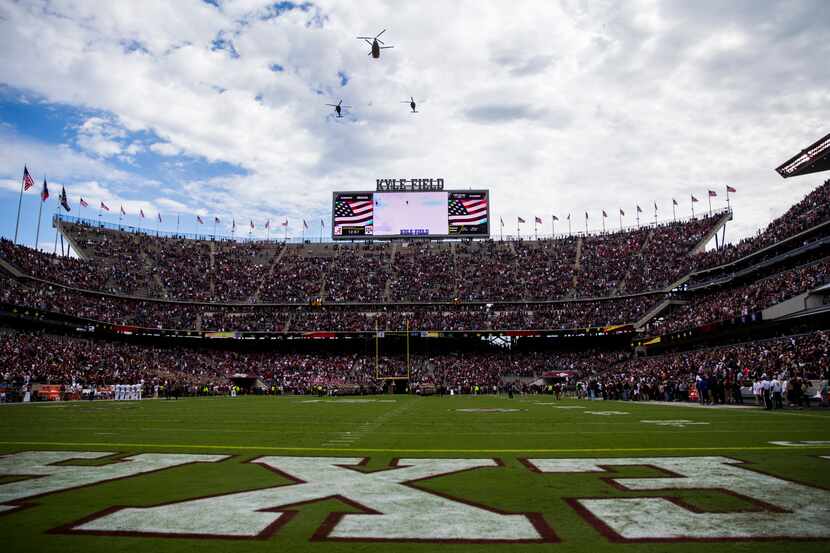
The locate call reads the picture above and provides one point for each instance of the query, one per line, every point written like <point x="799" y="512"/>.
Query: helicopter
<point x="338" y="107"/>
<point x="411" y="103"/>
<point x="376" y="48"/>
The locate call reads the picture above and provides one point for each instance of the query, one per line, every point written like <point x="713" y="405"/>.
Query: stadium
<point x="415" y="378"/>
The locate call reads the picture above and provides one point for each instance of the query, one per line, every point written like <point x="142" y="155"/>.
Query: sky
<point x="217" y="108"/>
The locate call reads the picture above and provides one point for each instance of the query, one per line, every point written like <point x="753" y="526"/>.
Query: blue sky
<point x="218" y="108"/>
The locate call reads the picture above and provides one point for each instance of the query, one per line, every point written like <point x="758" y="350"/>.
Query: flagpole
<point x="693" y="209"/>
<point x="285" y="237"/>
<point x="39" y="211"/>
<point x="518" y="232"/>
<point x="19" y="205"/>
<point x="729" y="207"/>
<point x="321" y="231"/>
<point x="620" y="220"/>
<point x="603" y="224"/>
<point x="673" y="210"/>
<point x="214" y="228"/>
<point x="535" y="228"/>
<point x="586" y="222"/>
<point x="710" y="203"/>
<point x="655" y="213"/>
<point x="552" y="227"/>
<point x="569" y="225"/>
<point x="54" y="222"/>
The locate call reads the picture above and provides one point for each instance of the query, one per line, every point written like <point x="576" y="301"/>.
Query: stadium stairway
<point x="656" y="310"/>
<point x="212" y="265"/>
<point x="700" y="247"/>
<point x="387" y="291"/>
<point x="269" y="274"/>
<point x="577" y="267"/>
<point x="83" y="254"/>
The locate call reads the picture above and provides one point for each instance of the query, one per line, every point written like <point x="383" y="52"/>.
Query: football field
<point x="402" y="473"/>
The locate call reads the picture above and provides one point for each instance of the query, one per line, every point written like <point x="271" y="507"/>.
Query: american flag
<point x="28" y="181"/>
<point x="471" y="211"/>
<point x="104" y="206"/>
<point x="539" y="220"/>
<point x="713" y="194"/>
<point x="199" y="218"/>
<point x="84" y="203"/>
<point x="730" y="189"/>
<point x="141" y="212"/>
<point x="354" y="213"/>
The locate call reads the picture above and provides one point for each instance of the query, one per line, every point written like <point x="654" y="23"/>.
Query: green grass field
<point x="384" y="429"/>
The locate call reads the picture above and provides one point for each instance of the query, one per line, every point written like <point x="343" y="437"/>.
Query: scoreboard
<point x="415" y="214"/>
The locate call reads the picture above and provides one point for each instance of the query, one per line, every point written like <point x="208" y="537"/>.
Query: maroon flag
<point x="586" y="215"/>
<point x="604" y="214"/>
<point x="322" y="223"/>
<point x="267" y="224"/>
<point x="104" y="206"/>
<point x="674" y="202"/>
<point x="521" y="220"/>
<point x="305" y="225"/>
<point x="713" y="194"/>
<point x="198" y="218"/>
<point x="44" y="194"/>
<point x="538" y="220"/>
<point x="141" y="212"/>
<point x="730" y="189"/>
<point x="252" y="224"/>
<point x="568" y="217"/>
<point x="622" y="212"/>
<point x="694" y="199"/>
<point x="285" y="223"/>
<point x="159" y="217"/>
<point x="216" y="220"/>
<point x="84" y="203"/>
<point x="555" y="218"/>
<point x="122" y="211"/>
<point x="28" y="181"/>
<point x="639" y="209"/>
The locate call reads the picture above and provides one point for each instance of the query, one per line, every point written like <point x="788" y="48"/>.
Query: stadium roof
<point x="813" y="159"/>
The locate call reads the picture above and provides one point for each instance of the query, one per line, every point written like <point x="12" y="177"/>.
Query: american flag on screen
<point x="468" y="211"/>
<point x="353" y="213"/>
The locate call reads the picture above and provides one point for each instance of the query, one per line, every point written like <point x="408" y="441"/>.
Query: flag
<point x="674" y="202"/>
<point x="233" y="224"/>
<point x="28" y="181"/>
<point x="694" y="199"/>
<point x="305" y="225"/>
<point x="713" y="194"/>
<point x="44" y="194"/>
<point x="268" y="223"/>
<point x="252" y="224"/>
<point x="285" y="223"/>
<point x="141" y="212"/>
<point x="604" y="214"/>
<point x="64" y="199"/>
<point x="538" y="220"/>
<point x="84" y="203"/>
<point x="353" y="213"/>
<point x="322" y="223"/>
<point x="622" y="212"/>
<point x="655" y="206"/>
<point x="159" y="217"/>
<point x="639" y="209"/>
<point x="198" y="218"/>
<point x="586" y="215"/>
<point x="468" y="212"/>
<point x="216" y="220"/>
<point x="520" y="219"/>
<point x="104" y="206"/>
<point x="122" y="210"/>
<point x="555" y="218"/>
<point x="501" y="220"/>
<point x="730" y="189"/>
<point x="568" y="217"/>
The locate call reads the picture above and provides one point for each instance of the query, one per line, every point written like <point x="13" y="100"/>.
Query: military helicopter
<point x="411" y="103"/>
<point x="338" y="107"/>
<point x="376" y="48"/>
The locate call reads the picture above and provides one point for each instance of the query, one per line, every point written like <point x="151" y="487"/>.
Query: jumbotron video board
<point x="434" y="214"/>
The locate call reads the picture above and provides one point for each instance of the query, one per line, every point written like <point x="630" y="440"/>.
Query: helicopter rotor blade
<point x="380" y="33"/>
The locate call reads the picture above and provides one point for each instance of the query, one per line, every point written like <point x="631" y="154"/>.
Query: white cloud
<point x="556" y="107"/>
<point x="165" y="149"/>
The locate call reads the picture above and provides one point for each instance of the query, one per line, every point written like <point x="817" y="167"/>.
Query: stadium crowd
<point x="716" y="375"/>
<point x="732" y="302"/>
